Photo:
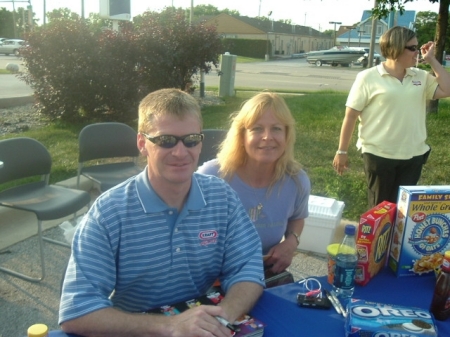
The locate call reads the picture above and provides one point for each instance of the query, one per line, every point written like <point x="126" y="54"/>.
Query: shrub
<point x="80" y="73"/>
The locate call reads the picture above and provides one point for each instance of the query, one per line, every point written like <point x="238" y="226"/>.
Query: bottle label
<point x="344" y="278"/>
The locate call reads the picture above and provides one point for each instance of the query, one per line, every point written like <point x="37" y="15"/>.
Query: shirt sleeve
<point x="91" y="272"/>
<point x="302" y="197"/>
<point x="358" y="96"/>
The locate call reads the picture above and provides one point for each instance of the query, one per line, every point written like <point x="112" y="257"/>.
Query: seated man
<point x="162" y="237"/>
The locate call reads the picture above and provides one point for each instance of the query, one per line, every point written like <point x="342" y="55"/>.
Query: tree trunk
<point x="441" y="31"/>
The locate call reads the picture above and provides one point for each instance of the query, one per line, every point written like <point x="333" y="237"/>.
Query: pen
<point x="338" y="303"/>
<point x="333" y="302"/>
<point x="224" y="322"/>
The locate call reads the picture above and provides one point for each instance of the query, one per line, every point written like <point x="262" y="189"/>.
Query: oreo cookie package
<point x="370" y="319"/>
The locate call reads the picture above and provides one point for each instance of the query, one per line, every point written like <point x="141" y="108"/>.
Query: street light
<point x="335" y="23"/>
<point x="360" y="32"/>
<point x="349" y="30"/>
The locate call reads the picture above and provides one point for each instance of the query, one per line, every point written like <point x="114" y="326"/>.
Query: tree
<point x="382" y="9"/>
<point x="15" y="24"/>
<point x="175" y="49"/>
<point x="425" y="26"/>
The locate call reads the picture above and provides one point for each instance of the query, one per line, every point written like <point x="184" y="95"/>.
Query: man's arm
<point x="110" y="322"/>
<point x="240" y="299"/>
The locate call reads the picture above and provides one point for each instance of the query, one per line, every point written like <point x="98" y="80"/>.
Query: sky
<point x="313" y="13"/>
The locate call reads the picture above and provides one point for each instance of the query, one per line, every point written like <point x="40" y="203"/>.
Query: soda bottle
<point x="346" y="260"/>
<point x="37" y="330"/>
<point x="440" y="304"/>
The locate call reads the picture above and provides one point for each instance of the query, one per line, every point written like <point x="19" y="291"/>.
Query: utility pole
<point x="335" y="23"/>
<point x="372" y="37"/>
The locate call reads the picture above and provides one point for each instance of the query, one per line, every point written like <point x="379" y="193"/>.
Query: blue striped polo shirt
<point x="151" y="255"/>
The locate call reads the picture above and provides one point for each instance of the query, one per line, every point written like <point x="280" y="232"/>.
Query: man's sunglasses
<point x="412" y="48"/>
<point x="169" y="141"/>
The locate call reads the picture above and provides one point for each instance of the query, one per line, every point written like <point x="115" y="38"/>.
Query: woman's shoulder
<point x="210" y="167"/>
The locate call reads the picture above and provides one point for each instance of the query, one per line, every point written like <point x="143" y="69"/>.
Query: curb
<point x="15" y="101"/>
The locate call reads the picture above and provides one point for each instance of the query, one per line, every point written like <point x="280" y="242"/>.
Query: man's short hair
<point x="166" y="102"/>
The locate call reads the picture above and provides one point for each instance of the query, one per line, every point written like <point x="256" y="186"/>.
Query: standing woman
<point x="257" y="160"/>
<point x="389" y="101"/>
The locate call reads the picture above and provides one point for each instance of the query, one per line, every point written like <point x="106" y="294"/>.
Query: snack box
<point x="367" y="319"/>
<point x="373" y="240"/>
<point x="421" y="232"/>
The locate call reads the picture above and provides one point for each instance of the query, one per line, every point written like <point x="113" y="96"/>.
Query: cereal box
<point x="372" y="240"/>
<point x="377" y="319"/>
<point x="421" y="232"/>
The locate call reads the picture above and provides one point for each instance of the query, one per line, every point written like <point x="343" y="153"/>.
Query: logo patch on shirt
<point x="207" y="237"/>
<point x="416" y="83"/>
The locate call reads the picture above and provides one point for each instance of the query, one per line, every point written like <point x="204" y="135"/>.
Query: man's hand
<point x="198" y="322"/>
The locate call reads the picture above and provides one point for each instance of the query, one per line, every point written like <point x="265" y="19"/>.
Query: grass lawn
<point x="319" y="117"/>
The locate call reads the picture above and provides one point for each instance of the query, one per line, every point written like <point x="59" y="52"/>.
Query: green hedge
<point x="247" y="47"/>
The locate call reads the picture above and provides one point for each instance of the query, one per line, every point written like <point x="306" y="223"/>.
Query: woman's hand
<point x="427" y="50"/>
<point x="340" y="163"/>
<point x="281" y="255"/>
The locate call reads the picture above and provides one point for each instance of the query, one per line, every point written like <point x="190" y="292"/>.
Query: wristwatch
<point x="297" y="237"/>
<point x="341" y="152"/>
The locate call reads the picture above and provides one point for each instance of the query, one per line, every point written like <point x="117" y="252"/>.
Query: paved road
<point x="291" y="74"/>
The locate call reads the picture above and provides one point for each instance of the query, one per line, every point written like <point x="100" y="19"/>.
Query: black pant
<point x="384" y="176"/>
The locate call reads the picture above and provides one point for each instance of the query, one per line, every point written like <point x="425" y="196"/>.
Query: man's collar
<point x="152" y="203"/>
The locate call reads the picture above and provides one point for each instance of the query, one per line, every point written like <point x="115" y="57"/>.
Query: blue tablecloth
<point x="279" y="310"/>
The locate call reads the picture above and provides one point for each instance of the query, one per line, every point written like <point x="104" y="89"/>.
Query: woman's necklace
<point x="255" y="212"/>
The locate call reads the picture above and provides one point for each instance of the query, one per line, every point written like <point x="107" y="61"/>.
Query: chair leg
<point x="56" y="242"/>
<point x="41" y="252"/>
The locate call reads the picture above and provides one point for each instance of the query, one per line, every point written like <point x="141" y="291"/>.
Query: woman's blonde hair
<point x="394" y="40"/>
<point x="232" y="154"/>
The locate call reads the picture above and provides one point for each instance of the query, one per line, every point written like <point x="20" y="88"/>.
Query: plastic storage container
<point x="324" y="216"/>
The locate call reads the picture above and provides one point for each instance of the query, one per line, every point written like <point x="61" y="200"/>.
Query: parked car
<point x="11" y="46"/>
<point x="364" y="60"/>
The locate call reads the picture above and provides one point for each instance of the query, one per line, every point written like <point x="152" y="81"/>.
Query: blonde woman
<point x="257" y="160"/>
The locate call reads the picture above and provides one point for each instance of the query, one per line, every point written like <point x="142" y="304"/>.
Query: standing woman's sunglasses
<point x="412" y="48"/>
<point x="169" y="141"/>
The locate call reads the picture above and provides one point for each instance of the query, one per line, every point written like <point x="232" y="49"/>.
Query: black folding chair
<point x="211" y="142"/>
<point x="101" y="141"/>
<point x="26" y="158"/>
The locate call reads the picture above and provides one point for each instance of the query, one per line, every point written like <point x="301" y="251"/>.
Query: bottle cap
<point x="350" y="230"/>
<point x="37" y="330"/>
